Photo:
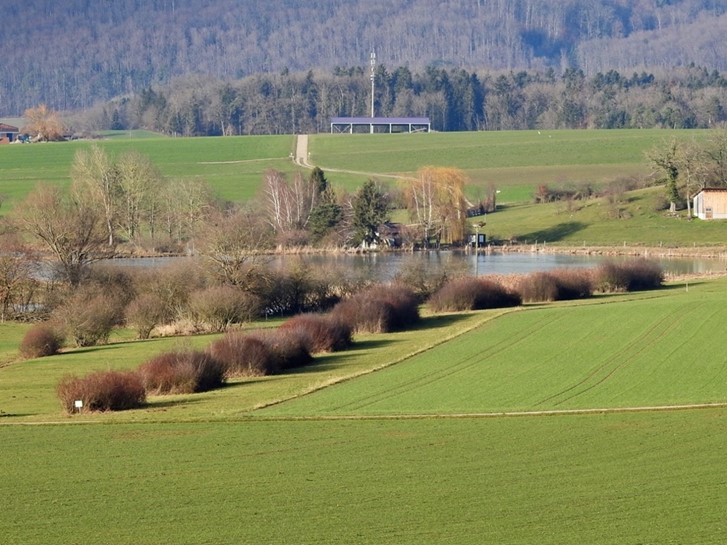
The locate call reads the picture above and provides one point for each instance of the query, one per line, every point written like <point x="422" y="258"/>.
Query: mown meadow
<point x="233" y="167"/>
<point x="417" y="451"/>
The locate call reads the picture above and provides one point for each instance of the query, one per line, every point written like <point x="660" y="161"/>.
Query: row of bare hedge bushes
<point x="186" y="298"/>
<point x="377" y="309"/>
<point x="243" y="354"/>
<point x="470" y="293"/>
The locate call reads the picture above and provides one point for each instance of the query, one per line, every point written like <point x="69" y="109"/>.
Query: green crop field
<point x="416" y="452"/>
<point x="514" y="161"/>
<point x="233" y="166"/>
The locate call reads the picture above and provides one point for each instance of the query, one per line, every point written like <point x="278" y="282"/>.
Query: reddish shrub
<point x="244" y="355"/>
<point x="102" y="391"/>
<point x="182" y="372"/>
<point x="557" y="285"/>
<point x="40" y="340"/>
<point x="630" y="275"/>
<point x="573" y="283"/>
<point x="471" y="293"/>
<point x="538" y="286"/>
<point x="289" y="348"/>
<point x="324" y="333"/>
<point x="379" y="309"/>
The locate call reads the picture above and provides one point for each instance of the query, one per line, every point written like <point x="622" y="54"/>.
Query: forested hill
<point x="73" y="53"/>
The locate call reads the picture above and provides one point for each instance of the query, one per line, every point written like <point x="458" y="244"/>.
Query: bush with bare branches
<point x="102" y="391"/>
<point x="221" y="306"/>
<point x="145" y="313"/>
<point x="472" y="293"/>
<point x="556" y="285"/>
<point x="244" y="355"/>
<point x="629" y="275"/>
<point x="324" y="332"/>
<point x="181" y="372"/>
<point x="379" y="309"/>
<point x="87" y="317"/>
<point x="39" y="341"/>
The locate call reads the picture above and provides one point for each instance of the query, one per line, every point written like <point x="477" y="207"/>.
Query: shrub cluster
<point x="557" y="285"/>
<point x="221" y="306"/>
<point x="631" y="275"/>
<point x="103" y="391"/>
<point x="181" y="372"/>
<point x="472" y="293"/>
<point x="88" y="316"/>
<point x="322" y="332"/>
<point x="244" y="355"/>
<point x="39" y="341"/>
<point x="379" y="309"/>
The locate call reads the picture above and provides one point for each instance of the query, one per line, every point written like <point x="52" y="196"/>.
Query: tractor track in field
<point x="637" y="343"/>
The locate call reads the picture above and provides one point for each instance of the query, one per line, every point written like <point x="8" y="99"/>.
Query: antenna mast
<point x="373" y="78"/>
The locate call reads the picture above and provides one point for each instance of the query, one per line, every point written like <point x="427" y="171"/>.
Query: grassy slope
<point x="594" y="223"/>
<point x="234" y="166"/>
<point x="515" y="161"/>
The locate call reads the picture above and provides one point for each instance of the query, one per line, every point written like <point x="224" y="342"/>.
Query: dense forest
<point x="75" y="53"/>
<point x="454" y="100"/>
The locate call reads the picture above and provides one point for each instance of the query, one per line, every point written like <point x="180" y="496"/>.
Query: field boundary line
<point x="248" y="417"/>
<point x="506" y="414"/>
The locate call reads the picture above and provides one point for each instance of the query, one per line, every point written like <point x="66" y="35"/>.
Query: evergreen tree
<point x="371" y="208"/>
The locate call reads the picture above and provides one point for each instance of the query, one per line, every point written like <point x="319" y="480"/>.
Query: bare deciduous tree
<point x="43" y="124"/>
<point x="96" y="180"/>
<point x="71" y="230"/>
<point x="233" y="242"/>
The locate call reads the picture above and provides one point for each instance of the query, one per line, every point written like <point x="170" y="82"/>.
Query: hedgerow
<point x="323" y="332"/>
<point x="631" y="275"/>
<point x="379" y="309"/>
<point x="471" y="293"/>
<point x="244" y="355"/>
<point x="556" y="285"/>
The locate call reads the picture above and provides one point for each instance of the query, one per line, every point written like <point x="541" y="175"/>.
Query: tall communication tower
<point x="373" y="79"/>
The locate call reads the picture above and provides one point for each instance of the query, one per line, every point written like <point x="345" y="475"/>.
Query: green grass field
<point x="412" y="453"/>
<point x="233" y="166"/>
<point x="514" y="161"/>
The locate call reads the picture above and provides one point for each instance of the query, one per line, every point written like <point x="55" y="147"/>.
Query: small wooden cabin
<point x="8" y="133"/>
<point x="711" y="203"/>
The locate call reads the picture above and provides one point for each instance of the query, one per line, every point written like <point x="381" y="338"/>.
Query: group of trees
<point x="124" y="200"/>
<point x="111" y="49"/>
<point x="690" y="165"/>
<point x="454" y="100"/>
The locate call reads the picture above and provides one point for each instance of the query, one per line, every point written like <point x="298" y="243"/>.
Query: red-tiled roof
<point x="8" y="128"/>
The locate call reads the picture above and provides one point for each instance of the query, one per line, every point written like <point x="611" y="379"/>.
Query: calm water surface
<point x="384" y="266"/>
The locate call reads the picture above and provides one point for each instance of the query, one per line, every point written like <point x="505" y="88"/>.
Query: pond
<point x="384" y="266"/>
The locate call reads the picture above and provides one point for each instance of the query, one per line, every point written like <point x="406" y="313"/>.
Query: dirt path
<point x="301" y="151"/>
<point x="302" y="158"/>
